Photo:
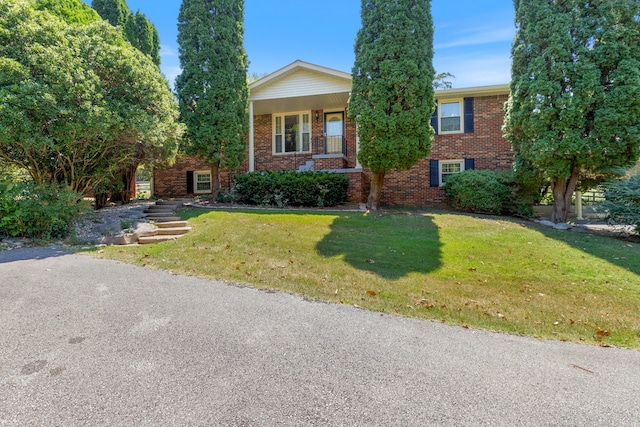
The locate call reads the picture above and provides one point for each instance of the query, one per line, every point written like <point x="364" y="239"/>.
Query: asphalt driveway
<point x="89" y="342"/>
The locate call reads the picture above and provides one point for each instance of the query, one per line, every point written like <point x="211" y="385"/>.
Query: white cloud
<point x="476" y="36"/>
<point x="480" y="70"/>
<point x="171" y="72"/>
<point x="167" y="51"/>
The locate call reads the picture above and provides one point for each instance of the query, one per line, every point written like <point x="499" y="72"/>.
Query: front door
<point x="334" y="132"/>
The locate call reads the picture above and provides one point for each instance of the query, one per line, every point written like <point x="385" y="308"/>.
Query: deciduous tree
<point x="77" y="102"/>
<point x="212" y="88"/>
<point x="392" y="97"/>
<point x="574" y="109"/>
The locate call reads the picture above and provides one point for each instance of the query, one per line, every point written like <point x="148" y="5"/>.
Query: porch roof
<point x="300" y="86"/>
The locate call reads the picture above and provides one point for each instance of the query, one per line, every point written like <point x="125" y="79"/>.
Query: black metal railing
<point x="331" y="144"/>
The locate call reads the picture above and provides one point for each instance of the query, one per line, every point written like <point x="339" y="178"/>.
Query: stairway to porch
<point x="168" y="226"/>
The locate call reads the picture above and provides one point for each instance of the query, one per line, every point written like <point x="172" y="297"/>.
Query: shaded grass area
<point x="481" y="272"/>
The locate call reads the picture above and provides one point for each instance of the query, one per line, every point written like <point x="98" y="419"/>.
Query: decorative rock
<point x="547" y="223"/>
<point x="562" y="226"/>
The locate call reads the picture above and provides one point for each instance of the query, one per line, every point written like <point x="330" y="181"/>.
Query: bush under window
<point x="291" y="188"/>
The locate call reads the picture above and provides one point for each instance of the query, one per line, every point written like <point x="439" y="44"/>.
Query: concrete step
<point x="152" y="209"/>
<point x="171" y="224"/>
<point x="157" y="239"/>
<point x="172" y="231"/>
<point x="160" y="214"/>
<point x="158" y="219"/>
<point x="168" y="203"/>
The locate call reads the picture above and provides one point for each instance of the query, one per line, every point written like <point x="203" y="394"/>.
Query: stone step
<point x="172" y="231"/>
<point x="160" y="214"/>
<point x="152" y="209"/>
<point x="158" y="219"/>
<point x="168" y="203"/>
<point x="157" y="239"/>
<point x="171" y="224"/>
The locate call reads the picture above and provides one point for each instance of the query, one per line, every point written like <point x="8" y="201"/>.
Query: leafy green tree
<point x="212" y="88"/>
<point x="78" y="103"/>
<point x="574" y="109"/>
<point x="443" y="81"/>
<point x="70" y="11"/>
<point x="622" y="200"/>
<point x="392" y="98"/>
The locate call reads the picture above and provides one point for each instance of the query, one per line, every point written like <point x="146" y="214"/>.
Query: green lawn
<point x="479" y="272"/>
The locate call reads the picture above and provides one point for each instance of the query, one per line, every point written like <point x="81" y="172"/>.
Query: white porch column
<point x="579" y="205"/>
<point x="251" y="140"/>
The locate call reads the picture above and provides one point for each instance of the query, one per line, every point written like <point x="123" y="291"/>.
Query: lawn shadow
<point x="388" y="245"/>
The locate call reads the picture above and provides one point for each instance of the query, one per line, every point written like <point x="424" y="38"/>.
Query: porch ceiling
<point x="300" y="103"/>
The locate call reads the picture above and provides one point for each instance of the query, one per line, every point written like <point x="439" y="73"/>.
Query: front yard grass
<point x="476" y="272"/>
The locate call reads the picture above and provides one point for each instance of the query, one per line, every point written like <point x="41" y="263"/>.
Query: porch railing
<point x="332" y="144"/>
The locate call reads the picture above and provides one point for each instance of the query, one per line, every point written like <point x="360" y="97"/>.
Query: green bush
<point x="492" y="192"/>
<point x="478" y="191"/>
<point x="291" y="188"/>
<point x="622" y="200"/>
<point x="28" y="209"/>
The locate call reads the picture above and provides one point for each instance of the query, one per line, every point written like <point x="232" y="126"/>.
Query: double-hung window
<point x="202" y="182"/>
<point x="292" y="133"/>
<point x="450" y="117"/>
<point x="450" y="167"/>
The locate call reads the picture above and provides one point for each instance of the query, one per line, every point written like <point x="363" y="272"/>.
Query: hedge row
<point x="291" y="188"/>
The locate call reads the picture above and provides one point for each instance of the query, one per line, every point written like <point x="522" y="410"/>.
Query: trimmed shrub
<point x="622" y="200"/>
<point x="28" y="209"/>
<point x="291" y="188"/>
<point x="478" y="191"/>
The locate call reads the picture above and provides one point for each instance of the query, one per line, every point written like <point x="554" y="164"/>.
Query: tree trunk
<point x="215" y="179"/>
<point x="375" y="192"/>
<point x="101" y="200"/>
<point x="562" y="193"/>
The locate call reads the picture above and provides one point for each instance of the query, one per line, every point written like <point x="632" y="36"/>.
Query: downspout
<point x="251" y="139"/>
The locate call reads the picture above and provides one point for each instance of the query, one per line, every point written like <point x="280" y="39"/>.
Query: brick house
<point x="298" y="121"/>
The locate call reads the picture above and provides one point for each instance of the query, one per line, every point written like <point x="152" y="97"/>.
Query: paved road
<point x="88" y="342"/>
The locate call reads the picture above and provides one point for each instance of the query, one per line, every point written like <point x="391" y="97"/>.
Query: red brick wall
<point x="172" y="181"/>
<point x="403" y="188"/>
<point x="486" y="145"/>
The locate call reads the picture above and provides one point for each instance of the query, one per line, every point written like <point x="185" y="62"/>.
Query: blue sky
<point x="472" y="38"/>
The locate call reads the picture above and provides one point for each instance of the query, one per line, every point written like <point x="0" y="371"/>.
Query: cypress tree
<point x="212" y="88"/>
<point x="392" y="98"/>
<point x="574" y="109"/>
<point x="114" y="11"/>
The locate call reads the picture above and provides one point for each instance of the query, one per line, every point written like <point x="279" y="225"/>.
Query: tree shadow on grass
<point x="388" y="245"/>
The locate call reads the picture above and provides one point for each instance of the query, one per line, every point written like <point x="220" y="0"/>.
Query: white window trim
<point x="195" y="182"/>
<point x="450" y="101"/>
<point x="448" y="162"/>
<point x="273" y="133"/>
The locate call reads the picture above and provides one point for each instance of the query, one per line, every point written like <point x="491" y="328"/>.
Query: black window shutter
<point x="434" y="173"/>
<point x="189" y="182"/>
<point x="469" y="164"/>
<point x="468" y="115"/>
<point x="434" y="120"/>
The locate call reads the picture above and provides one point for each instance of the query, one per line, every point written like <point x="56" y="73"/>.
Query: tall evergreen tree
<point x="392" y="98"/>
<point x="574" y="109"/>
<point x="137" y="29"/>
<point x="212" y="88"/>
<point x="114" y="11"/>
